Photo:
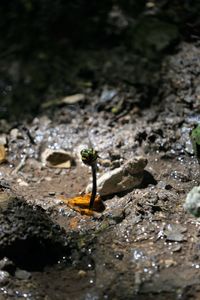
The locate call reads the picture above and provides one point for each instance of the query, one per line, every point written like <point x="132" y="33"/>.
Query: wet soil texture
<point x="143" y="245"/>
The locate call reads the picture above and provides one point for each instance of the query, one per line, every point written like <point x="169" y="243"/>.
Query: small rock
<point x="192" y="202"/>
<point x="170" y="263"/>
<point x="47" y="178"/>
<point x="4" y="277"/>
<point x="188" y="147"/>
<point x="127" y="177"/>
<point x="22" y="274"/>
<point x="22" y="182"/>
<point x="82" y="274"/>
<point x="15" y="134"/>
<point x="57" y="159"/>
<point x="58" y="171"/>
<point x="52" y="193"/>
<point x="3" y="139"/>
<point x="176" y="248"/>
<point x="7" y="265"/>
<point x="174" y="233"/>
<point x="182" y="177"/>
<point x="115" y="164"/>
<point x="4" y="184"/>
<point x="108" y="94"/>
<point x="117" y="215"/>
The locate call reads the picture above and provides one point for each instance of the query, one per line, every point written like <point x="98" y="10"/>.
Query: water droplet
<point x="138" y="254"/>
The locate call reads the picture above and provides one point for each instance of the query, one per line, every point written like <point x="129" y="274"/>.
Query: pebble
<point x="107" y="94"/>
<point x="22" y="274"/>
<point x="15" y="134"/>
<point x="4" y="277"/>
<point x="117" y="215"/>
<point x="176" y="248"/>
<point x="3" y="139"/>
<point x="52" y="193"/>
<point x="82" y="273"/>
<point x="22" y="182"/>
<point x="47" y="178"/>
<point x="192" y="202"/>
<point x="174" y="233"/>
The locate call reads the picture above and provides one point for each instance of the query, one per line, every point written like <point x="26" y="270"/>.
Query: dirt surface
<point x="144" y="245"/>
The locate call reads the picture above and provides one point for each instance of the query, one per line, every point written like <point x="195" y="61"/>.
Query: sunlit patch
<point x="81" y="204"/>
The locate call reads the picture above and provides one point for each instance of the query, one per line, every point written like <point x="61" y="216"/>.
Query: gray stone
<point x="127" y="177"/>
<point x="22" y="274"/>
<point x="4" y="277"/>
<point x="3" y="139"/>
<point x="192" y="202"/>
<point x="174" y="233"/>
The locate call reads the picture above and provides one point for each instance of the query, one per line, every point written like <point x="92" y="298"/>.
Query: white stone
<point x="3" y="139"/>
<point x="22" y="182"/>
<point x="15" y="134"/>
<point x="4" y="278"/>
<point x="192" y="202"/>
<point x="127" y="177"/>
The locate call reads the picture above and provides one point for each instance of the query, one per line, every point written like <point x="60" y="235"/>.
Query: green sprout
<point x="195" y="138"/>
<point x="89" y="157"/>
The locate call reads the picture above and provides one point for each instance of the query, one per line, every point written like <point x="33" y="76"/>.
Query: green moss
<point x="195" y="138"/>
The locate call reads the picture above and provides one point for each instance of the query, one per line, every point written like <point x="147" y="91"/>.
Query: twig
<point x="20" y="165"/>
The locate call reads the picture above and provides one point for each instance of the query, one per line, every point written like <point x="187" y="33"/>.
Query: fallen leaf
<point x="57" y="159"/>
<point x="66" y="100"/>
<point x="73" y="99"/>
<point x="81" y="204"/>
<point x="2" y="154"/>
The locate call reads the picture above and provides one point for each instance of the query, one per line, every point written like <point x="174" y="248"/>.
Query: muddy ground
<point x="144" y="245"/>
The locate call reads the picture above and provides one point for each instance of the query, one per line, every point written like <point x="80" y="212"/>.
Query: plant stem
<point x="94" y="185"/>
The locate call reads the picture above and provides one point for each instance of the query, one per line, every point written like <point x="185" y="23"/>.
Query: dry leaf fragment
<point x="57" y="159"/>
<point x="2" y="154"/>
<point x="73" y="99"/>
<point x="81" y="204"/>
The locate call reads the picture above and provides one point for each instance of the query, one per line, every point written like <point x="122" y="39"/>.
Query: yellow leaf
<point x="81" y="204"/>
